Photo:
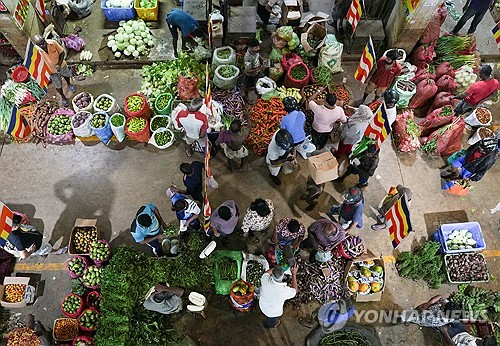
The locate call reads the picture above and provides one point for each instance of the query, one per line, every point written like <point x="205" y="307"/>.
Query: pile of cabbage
<point x="464" y="76"/>
<point x="132" y="38"/>
<point x="120" y="3"/>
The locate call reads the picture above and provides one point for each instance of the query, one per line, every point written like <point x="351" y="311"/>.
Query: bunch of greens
<point x="322" y="75"/>
<point x="478" y="302"/>
<point x="424" y="263"/>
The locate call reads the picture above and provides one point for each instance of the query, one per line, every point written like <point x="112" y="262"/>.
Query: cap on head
<point x="353" y="195"/>
<point x="391" y="97"/>
<point x="186" y="168"/>
<point x="260" y="207"/>
<point x="196" y="104"/>
<point x="392" y="54"/>
<point x="290" y="104"/>
<point x="278" y="274"/>
<point x="371" y="148"/>
<point x="253" y="42"/>
<point x="284" y="139"/>
<point x="144" y="220"/>
<point x="485" y="70"/>
<point x="224" y="213"/>
<point x="331" y="99"/>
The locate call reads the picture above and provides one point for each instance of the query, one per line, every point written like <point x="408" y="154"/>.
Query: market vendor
<point x="181" y="21"/>
<point x="186" y="210"/>
<point x="257" y="218"/>
<point x="146" y="228"/>
<point x="429" y="314"/>
<point x="289" y="232"/>
<point x="53" y="54"/>
<point x="252" y="62"/>
<point x="480" y="91"/>
<point x="194" y="122"/>
<point x="364" y="166"/>
<point x="193" y="179"/>
<point x="323" y="236"/>
<point x="274" y="292"/>
<point x="294" y="120"/>
<point x="395" y="193"/>
<point x="478" y="159"/>
<point x="386" y="72"/>
<point x="351" y="210"/>
<point x="232" y="141"/>
<point x="391" y="98"/>
<point x="456" y="334"/>
<point x="325" y="117"/>
<point x="279" y="151"/>
<point x="353" y="130"/>
<point x="224" y="219"/>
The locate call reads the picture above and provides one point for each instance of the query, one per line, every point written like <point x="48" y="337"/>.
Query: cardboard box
<point x="291" y="12"/>
<point x="315" y="30"/>
<point x="320" y="18"/>
<point x="323" y="167"/>
<point x="90" y="223"/>
<point x="371" y="297"/>
<point x="13" y="280"/>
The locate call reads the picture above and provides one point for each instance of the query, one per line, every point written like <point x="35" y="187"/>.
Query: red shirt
<point x="480" y="90"/>
<point x="384" y="77"/>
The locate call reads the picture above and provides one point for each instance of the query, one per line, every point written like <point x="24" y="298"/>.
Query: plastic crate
<point x="474" y="227"/>
<point x="117" y="14"/>
<point x="462" y="282"/>
<point x="146" y="13"/>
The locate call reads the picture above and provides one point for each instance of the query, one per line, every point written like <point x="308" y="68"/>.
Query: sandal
<point x="277" y="324"/>
<point x="255" y="240"/>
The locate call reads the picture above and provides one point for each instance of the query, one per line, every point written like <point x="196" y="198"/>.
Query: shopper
<point x="395" y="193"/>
<point x="25" y="240"/>
<point x="186" y="210"/>
<point x="146" y="228"/>
<point x="232" y="141"/>
<point x="279" y="151"/>
<point x="477" y="92"/>
<point x="314" y="191"/>
<point x="252" y="62"/>
<point x="323" y="236"/>
<point x="325" y="117"/>
<point x="364" y="166"/>
<point x="294" y="120"/>
<point x="195" y="124"/>
<point x="264" y="10"/>
<point x="289" y="232"/>
<point x="257" y="218"/>
<point x="274" y="292"/>
<point x="353" y="130"/>
<point x="53" y="55"/>
<point x="193" y="179"/>
<point x="386" y="72"/>
<point x="181" y="21"/>
<point x="391" y="98"/>
<point x="472" y="8"/>
<point x="478" y="159"/>
<point x="224" y="219"/>
<point x="351" y="210"/>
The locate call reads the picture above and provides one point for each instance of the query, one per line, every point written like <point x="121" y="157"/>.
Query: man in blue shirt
<point x="179" y="20"/>
<point x="146" y="228"/>
<point x="294" y="121"/>
<point x="473" y="8"/>
<point x="193" y="179"/>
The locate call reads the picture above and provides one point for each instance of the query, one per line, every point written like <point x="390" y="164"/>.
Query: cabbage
<point x="111" y="43"/>
<point x="126" y="52"/>
<point x="144" y="34"/>
<point x="141" y="48"/>
<point x="120" y="30"/>
<point x="118" y="54"/>
<point x="114" y="48"/>
<point x="128" y="29"/>
<point x="294" y="42"/>
<point x="151" y="43"/>
<point x="135" y="54"/>
<point x="133" y="41"/>
<point x="119" y="38"/>
<point x="285" y="32"/>
<point x="130" y="48"/>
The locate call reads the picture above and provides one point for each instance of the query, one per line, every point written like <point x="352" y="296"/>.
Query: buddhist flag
<point x="36" y="65"/>
<point x="496" y="34"/>
<point x="18" y="126"/>
<point x="354" y="14"/>
<point x="379" y="127"/>
<point x="6" y="216"/>
<point x="366" y="63"/>
<point x="207" y="210"/>
<point x="398" y="220"/>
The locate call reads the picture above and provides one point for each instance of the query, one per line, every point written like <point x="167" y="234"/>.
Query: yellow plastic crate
<point x="146" y="13"/>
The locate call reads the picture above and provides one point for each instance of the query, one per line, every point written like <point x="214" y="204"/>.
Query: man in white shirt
<point x="274" y="293"/>
<point x="279" y="151"/>
<point x="194" y="122"/>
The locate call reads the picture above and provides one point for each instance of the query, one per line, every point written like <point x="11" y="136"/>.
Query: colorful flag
<point x="496" y="34"/>
<point x="398" y="220"/>
<point x="6" y="216"/>
<point x="37" y="66"/>
<point x="18" y="126"/>
<point x="366" y="63"/>
<point x="379" y="127"/>
<point x="207" y="210"/>
<point x="354" y="14"/>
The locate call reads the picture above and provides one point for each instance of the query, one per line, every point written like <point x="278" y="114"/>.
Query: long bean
<point x="345" y="338"/>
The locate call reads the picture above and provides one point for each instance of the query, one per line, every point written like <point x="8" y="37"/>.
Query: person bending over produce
<point x="478" y="159"/>
<point x="479" y="91"/>
<point x="146" y="228"/>
<point x="274" y="292"/>
<point x="53" y="54"/>
<point x="325" y="117"/>
<point x="279" y="151"/>
<point x="472" y="8"/>
<point x="294" y="121"/>
<point x="179" y="20"/>
<point x="195" y="124"/>
<point x="185" y="209"/>
<point x="323" y="236"/>
<point x="386" y="71"/>
<point x="353" y="130"/>
<point x="258" y="217"/>
<point x="395" y="193"/>
<point x="224" y="219"/>
<point x="232" y="141"/>
<point x="253" y="65"/>
<point x="430" y="314"/>
<point x="193" y="179"/>
<point x="351" y="210"/>
<point x="456" y="334"/>
<point x="364" y="166"/>
<point x="25" y="240"/>
<point x="289" y="232"/>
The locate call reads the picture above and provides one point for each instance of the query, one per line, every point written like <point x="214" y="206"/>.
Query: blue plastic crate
<point x="117" y="14"/>
<point x="473" y="227"/>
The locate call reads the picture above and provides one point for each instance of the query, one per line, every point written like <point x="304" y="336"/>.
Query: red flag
<point x="354" y="14"/>
<point x="6" y="216"/>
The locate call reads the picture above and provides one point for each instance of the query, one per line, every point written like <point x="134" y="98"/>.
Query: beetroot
<point x="436" y="119"/>
<point x="443" y="69"/>
<point x="447" y="83"/>
<point x="426" y="90"/>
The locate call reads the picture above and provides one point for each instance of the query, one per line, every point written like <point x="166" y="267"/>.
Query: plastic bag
<point x="84" y="130"/>
<point x="277" y="42"/>
<point x="457" y="187"/>
<point x="276" y="71"/>
<point x="432" y="31"/>
<point x="201" y="53"/>
<point x="426" y="90"/>
<point x="449" y="139"/>
<point x="252" y="258"/>
<point x="82" y="8"/>
<point x="285" y="33"/>
<point x="154" y="142"/>
<point x="112" y="109"/>
<point x="223" y="82"/>
<point x="118" y="131"/>
<point x="275" y="55"/>
<point x="64" y="138"/>
<point x="444" y="69"/>
<point x="187" y="88"/>
<point x="212" y="183"/>
<point x="104" y="133"/>
<point x="472" y="119"/>
<point x="442" y="99"/>
<point x="294" y="42"/>
<point x="288" y="60"/>
<point x="291" y="82"/>
<point x="422" y="55"/>
<point x="74" y="42"/>
<point x="421" y="75"/>
<point x="330" y="56"/>
<point x="230" y="60"/>
<point x="265" y="85"/>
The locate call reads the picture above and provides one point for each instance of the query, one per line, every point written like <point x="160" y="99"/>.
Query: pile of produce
<point x="265" y="117"/>
<point x="120" y="3"/>
<point x="162" y="101"/>
<point x="71" y="304"/>
<point x="117" y="120"/>
<point x="456" y="50"/>
<point x="405" y="132"/>
<point x="163" y="138"/>
<point x="466" y="267"/>
<point x="322" y="75"/>
<point x="79" y="119"/>
<point x="345" y="338"/>
<point x="88" y="319"/>
<point x="66" y="329"/>
<point x="254" y="273"/>
<point x="341" y="93"/>
<point x="14" y="293"/>
<point x="132" y="38"/>
<point x="310" y="90"/>
<point x="77" y="287"/>
<point x="82" y="100"/>
<point x="283" y="92"/>
<point x="232" y="102"/>
<point x="485" y="132"/>
<point x="426" y="90"/>
<point x="365" y="278"/>
<point x="159" y="122"/>
<point x="478" y="302"/>
<point x="424" y="263"/>
<point x="298" y="72"/>
<point x="171" y="230"/>
<point x="134" y="103"/>
<point x="147" y="3"/>
<point x="21" y="93"/>
<point x="224" y="54"/>
<point x="83" y="340"/>
<point x="241" y="288"/>
<point x="94" y="299"/>
<point x="77" y="265"/>
<point x="227" y="71"/>
<point x="100" y="250"/>
<point x="59" y="125"/>
<point x="23" y="336"/>
<point x="460" y="239"/>
<point x="98" y="121"/>
<point x="104" y="103"/>
<point x="464" y="76"/>
<point x="445" y="140"/>
<point x="38" y="123"/>
<point x="226" y="268"/>
<point x="482" y="115"/>
<point x="136" y="124"/>
<point x="92" y="276"/>
<point x="82" y="238"/>
<point x="319" y="281"/>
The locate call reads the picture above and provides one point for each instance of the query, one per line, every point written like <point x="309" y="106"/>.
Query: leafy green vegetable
<point x="478" y="302"/>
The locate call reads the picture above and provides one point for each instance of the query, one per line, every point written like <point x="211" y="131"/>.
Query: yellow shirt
<point x="51" y="56"/>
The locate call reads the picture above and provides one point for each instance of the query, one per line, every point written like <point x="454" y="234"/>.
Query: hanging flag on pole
<point x="6" y="216"/>
<point x="379" y="127"/>
<point x="36" y="65"/>
<point x="398" y="220"/>
<point x="18" y="126"/>
<point x="354" y="14"/>
<point x="496" y="34"/>
<point x="366" y="63"/>
<point x="207" y="210"/>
